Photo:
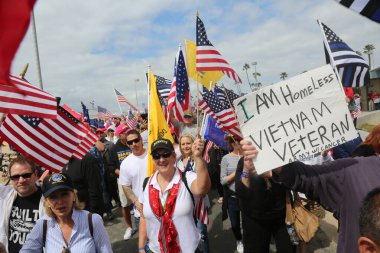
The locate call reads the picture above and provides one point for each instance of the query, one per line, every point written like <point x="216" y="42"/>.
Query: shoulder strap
<point x="44" y="230"/>
<point x="145" y="182"/>
<point x="90" y="226"/>
<point x="184" y="180"/>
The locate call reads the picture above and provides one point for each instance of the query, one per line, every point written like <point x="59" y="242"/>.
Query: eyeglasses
<point x="158" y="156"/>
<point x="133" y="141"/>
<point x="24" y="176"/>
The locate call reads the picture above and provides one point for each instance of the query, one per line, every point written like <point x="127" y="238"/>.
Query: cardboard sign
<point x="296" y="118"/>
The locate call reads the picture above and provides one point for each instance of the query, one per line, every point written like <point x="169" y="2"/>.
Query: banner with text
<point x="296" y="118"/>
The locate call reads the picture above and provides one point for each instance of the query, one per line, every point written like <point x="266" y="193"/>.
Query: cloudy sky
<point x="87" y="48"/>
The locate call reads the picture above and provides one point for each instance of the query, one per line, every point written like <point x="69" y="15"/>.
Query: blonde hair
<point x="185" y="136"/>
<point x="77" y="205"/>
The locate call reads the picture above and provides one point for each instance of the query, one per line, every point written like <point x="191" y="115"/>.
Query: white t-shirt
<point x="188" y="235"/>
<point x="133" y="171"/>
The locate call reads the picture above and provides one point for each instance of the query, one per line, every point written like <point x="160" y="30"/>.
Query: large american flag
<point x="121" y="99"/>
<point x="368" y="8"/>
<point x="23" y="98"/>
<point x="224" y="114"/>
<point x="48" y="142"/>
<point x="208" y="58"/>
<point x="352" y="68"/>
<point x="180" y="92"/>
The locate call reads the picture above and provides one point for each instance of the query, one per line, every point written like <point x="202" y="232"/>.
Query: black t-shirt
<point x="23" y="217"/>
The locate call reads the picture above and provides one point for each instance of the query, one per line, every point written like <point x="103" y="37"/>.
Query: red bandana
<point x="167" y="237"/>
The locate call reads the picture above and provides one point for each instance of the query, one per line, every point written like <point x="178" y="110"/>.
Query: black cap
<point x="162" y="144"/>
<point x="56" y="181"/>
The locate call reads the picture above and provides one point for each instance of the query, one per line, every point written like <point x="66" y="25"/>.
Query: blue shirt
<point x="80" y="241"/>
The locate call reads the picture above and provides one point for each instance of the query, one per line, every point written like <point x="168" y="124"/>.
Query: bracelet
<point x="140" y="248"/>
<point x="244" y="174"/>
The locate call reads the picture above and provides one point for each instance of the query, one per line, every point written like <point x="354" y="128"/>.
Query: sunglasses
<point x="133" y="141"/>
<point x="66" y="250"/>
<point x="157" y="156"/>
<point x="187" y="117"/>
<point x="24" y="176"/>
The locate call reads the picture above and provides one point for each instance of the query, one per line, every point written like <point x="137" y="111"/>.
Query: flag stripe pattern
<point x="163" y="89"/>
<point x="86" y="143"/>
<point x="132" y="120"/>
<point x="352" y="68"/>
<point x="208" y="58"/>
<point x="200" y="211"/>
<point x="25" y="99"/>
<point x="48" y="142"/>
<point x="368" y="8"/>
<point x="121" y="99"/>
<point x="206" y="155"/>
<point x="180" y="91"/>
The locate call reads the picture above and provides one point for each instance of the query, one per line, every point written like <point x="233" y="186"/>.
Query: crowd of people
<point x="64" y="212"/>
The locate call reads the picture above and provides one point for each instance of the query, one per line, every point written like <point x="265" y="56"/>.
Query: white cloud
<point x="89" y="47"/>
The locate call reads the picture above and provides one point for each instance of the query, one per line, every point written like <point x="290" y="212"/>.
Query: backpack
<point x="44" y="229"/>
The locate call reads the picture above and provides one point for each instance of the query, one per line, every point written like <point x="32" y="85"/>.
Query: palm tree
<point x="283" y="75"/>
<point x="245" y="68"/>
<point x="255" y="75"/>
<point x="368" y="50"/>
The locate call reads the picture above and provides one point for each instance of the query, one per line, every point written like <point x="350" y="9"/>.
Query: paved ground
<point x="220" y="235"/>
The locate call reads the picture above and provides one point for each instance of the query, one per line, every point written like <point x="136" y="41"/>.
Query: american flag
<point x="48" y="142"/>
<point x="352" y="68"/>
<point x="132" y="120"/>
<point x="86" y="143"/>
<point x="206" y="155"/>
<point x="208" y="58"/>
<point x="180" y="92"/>
<point x="224" y="114"/>
<point x="25" y="99"/>
<point x="368" y="8"/>
<point x="103" y="113"/>
<point x="200" y="210"/>
<point x="121" y="99"/>
<point x="163" y="89"/>
<point x="231" y="95"/>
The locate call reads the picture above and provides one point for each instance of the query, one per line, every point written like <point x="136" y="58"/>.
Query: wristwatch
<point x="244" y="174"/>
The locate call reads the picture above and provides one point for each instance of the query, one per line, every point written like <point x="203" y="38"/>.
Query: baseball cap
<point x="100" y="130"/>
<point x="122" y="128"/>
<point x="188" y="113"/>
<point x="162" y="144"/>
<point x="56" y="181"/>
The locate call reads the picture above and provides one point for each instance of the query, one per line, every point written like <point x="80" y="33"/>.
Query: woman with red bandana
<point x="168" y="220"/>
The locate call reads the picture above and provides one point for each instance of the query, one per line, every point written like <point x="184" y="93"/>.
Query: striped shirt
<point x="227" y="166"/>
<point x="80" y="241"/>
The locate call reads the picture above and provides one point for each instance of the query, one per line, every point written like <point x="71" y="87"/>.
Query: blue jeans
<point x="203" y="244"/>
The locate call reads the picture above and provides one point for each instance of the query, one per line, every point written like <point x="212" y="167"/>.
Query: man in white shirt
<point x="133" y="171"/>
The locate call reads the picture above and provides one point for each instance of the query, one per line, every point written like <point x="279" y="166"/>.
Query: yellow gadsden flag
<point x="157" y="126"/>
<point x="203" y="77"/>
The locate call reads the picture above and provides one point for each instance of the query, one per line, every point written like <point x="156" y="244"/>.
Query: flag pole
<point x="326" y="43"/>
<point x="23" y="71"/>
<point x="37" y="52"/>
<point x="197" y="86"/>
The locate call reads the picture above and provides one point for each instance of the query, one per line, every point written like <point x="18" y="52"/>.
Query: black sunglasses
<point x="24" y="176"/>
<point x="157" y="156"/>
<point x="66" y="250"/>
<point x="133" y="141"/>
<point x="187" y="117"/>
